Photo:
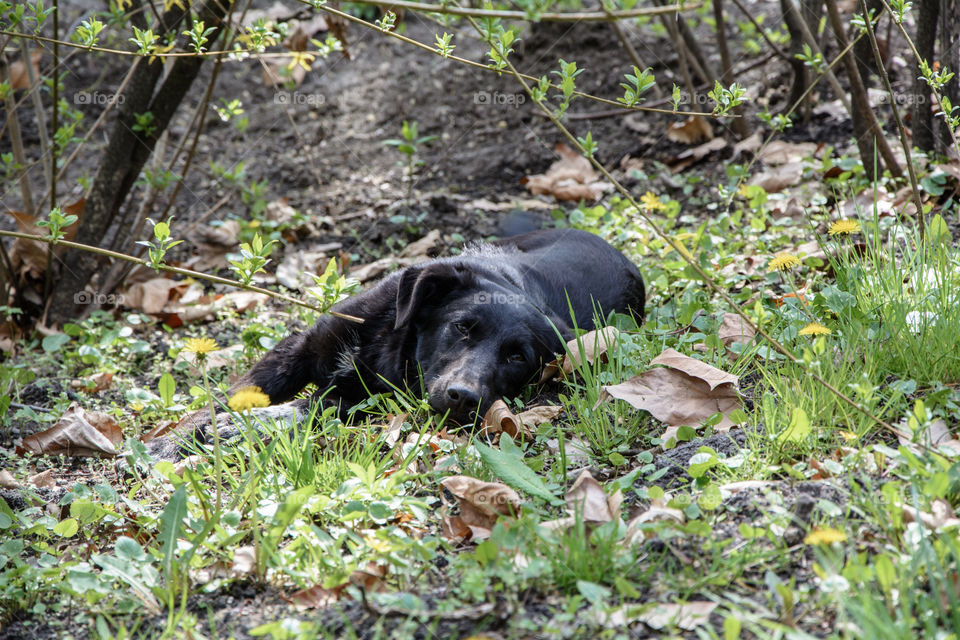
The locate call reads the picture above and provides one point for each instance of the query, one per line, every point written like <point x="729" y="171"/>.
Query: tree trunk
<point x="127" y="151"/>
<point x="950" y="58"/>
<point x="921" y="116"/>
<point x="738" y="125"/>
<point x="866" y="129"/>
<point x="863" y="52"/>
<point x="802" y="25"/>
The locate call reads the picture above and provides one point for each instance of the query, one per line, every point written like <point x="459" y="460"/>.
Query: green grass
<point x="324" y="503"/>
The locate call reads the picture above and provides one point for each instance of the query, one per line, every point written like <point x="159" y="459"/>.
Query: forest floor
<point x="310" y="169"/>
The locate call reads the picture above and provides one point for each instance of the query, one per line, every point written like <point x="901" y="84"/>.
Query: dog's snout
<point x="462" y="397"/>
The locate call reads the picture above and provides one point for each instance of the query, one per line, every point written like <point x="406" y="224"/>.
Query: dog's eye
<point x="516" y="358"/>
<point x="462" y="328"/>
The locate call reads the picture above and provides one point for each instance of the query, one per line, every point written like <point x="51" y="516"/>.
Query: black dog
<point x="477" y="327"/>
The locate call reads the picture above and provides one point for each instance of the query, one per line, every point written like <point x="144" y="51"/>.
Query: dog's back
<point x="574" y="264"/>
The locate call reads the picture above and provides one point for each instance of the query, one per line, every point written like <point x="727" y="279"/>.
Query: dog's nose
<point x="463" y="398"/>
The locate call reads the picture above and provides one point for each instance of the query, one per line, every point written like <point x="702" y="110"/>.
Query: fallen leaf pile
<point x="180" y="302"/>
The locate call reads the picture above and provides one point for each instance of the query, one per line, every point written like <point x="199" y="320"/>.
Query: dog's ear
<point x="431" y="282"/>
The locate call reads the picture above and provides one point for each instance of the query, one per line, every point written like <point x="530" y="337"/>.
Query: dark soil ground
<point x="323" y="149"/>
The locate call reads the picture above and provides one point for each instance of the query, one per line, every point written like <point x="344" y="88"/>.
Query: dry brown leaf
<point x="77" y="433"/>
<point x="315" y="597"/>
<point x="277" y="73"/>
<point x="499" y="418"/>
<point x="7" y="481"/>
<point x="453" y="528"/>
<point x="421" y="247"/>
<point x="937" y="436"/>
<point x="686" y="615"/>
<point x="535" y="416"/>
<point x="576" y="451"/>
<point x="226" y="357"/>
<point x="162" y="430"/>
<point x="280" y="211"/>
<point x="481" y="503"/>
<point x="793" y="208"/>
<point x="732" y="488"/>
<point x="8" y="335"/>
<point x="293" y="271"/>
<point x="809" y="249"/>
<point x="591" y="347"/>
<point x="693" y="130"/>
<point x="244" y="561"/>
<point x="213" y="244"/>
<point x="392" y="429"/>
<point x="940" y="515"/>
<point x="370" y="578"/>
<point x="93" y="384"/>
<point x="586" y="499"/>
<point x="43" y="480"/>
<point x="687" y="392"/>
<point x="749" y="144"/>
<point x="777" y="179"/>
<point x="19" y="76"/>
<point x="780" y="152"/>
<point x="571" y="178"/>
<point x="190" y="462"/>
<point x="242" y="300"/>
<point x="150" y="296"/>
<point x="367" y="272"/>
<point x="29" y="257"/>
<point x="696" y="154"/>
<point x="733" y="328"/>
<point x="655" y="513"/>
<point x="745" y="266"/>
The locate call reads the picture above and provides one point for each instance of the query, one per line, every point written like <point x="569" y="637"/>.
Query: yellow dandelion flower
<point x="201" y="346"/>
<point x="825" y="535"/>
<point x="784" y="262"/>
<point x="651" y="202"/>
<point x="844" y="227"/>
<point x="248" y="398"/>
<point x="300" y="58"/>
<point x="815" y="329"/>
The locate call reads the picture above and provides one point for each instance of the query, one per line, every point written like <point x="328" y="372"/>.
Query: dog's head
<point x="478" y="337"/>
